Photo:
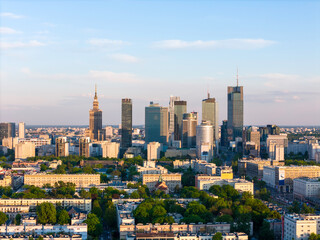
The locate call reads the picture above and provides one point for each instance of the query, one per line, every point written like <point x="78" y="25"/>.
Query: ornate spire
<point x="95" y="100"/>
<point x="95" y="92"/>
<point x="237" y="78"/>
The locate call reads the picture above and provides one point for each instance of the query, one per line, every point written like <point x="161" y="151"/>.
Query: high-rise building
<point x="153" y="150"/>
<point x="95" y="121"/>
<point x="276" y="145"/>
<point x="204" y="141"/>
<point x="273" y="129"/>
<point x="156" y="124"/>
<point x="110" y="150"/>
<point x="224" y="133"/>
<point x="126" y="123"/>
<point x="84" y="147"/>
<point x="210" y="114"/>
<point x="62" y="147"/>
<point x="21" y="130"/>
<point x="235" y="111"/>
<point x="7" y="130"/>
<point x="180" y="107"/>
<point x="171" y="113"/>
<point x="189" y="125"/>
<point x="24" y="150"/>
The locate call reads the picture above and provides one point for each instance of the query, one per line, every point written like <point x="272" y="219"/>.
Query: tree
<point x="46" y="213"/>
<point x="17" y="219"/>
<point x="63" y="217"/>
<point x="135" y="195"/>
<point x="96" y="209"/>
<point x="43" y="167"/>
<point x="224" y="218"/>
<point x="265" y="233"/>
<point x="94" y="225"/>
<point x="217" y="236"/>
<point x="3" y="218"/>
<point x="314" y="236"/>
<point x="110" y="217"/>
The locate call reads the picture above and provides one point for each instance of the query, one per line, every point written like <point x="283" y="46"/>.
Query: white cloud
<point x="25" y="70"/>
<point x="125" y="58"/>
<point x="114" y="77"/>
<point x="6" y="30"/>
<point x="280" y="76"/>
<point x="11" y="15"/>
<point x="227" y="43"/>
<point x="11" y="45"/>
<point x="103" y="42"/>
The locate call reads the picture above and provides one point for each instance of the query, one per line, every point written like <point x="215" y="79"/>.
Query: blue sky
<point x="53" y="52"/>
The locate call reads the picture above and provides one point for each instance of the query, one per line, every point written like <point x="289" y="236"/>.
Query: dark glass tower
<point x="180" y="107"/>
<point x="126" y="123"/>
<point x="7" y="130"/>
<point x="156" y="124"/>
<point x="235" y="111"/>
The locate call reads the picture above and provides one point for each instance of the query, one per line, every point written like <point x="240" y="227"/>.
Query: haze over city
<point x="53" y="53"/>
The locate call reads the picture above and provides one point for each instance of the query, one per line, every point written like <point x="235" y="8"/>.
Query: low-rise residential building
<point x="234" y="236"/>
<point x="150" y="167"/>
<point x="81" y="203"/>
<point x="172" y="180"/>
<point x="80" y="180"/>
<point x="79" y="229"/>
<point x="300" y="227"/>
<point x="5" y="180"/>
<point x="306" y="188"/>
<point x="281" y="177"/>
<point x="225" y="172"/>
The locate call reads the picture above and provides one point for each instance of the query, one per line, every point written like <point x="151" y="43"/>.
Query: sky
<point x="52" y="53"/>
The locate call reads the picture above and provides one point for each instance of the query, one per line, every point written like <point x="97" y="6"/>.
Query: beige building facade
<point x="171" y="179"/>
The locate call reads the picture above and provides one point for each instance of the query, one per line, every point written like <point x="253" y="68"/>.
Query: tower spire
<point x="237" y="77"/>
<point x="95" y="91"/>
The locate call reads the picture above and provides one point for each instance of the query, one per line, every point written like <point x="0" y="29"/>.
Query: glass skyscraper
<point x="235" y="111"/>
<point x="180" y="107"/>
<point x="210" y="114"/>
<point x="126" y="123"/>
<point x="156" y="124"/>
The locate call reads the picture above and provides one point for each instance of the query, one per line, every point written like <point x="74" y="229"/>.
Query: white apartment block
<point x="23" y="150"/>
<point x="81" y="203"/>
<point x="306" y="188"/>
<point x="45" y="229"/>
<point x="110" y="150"/>
<point x="234" y="236"/>
<point x="37" y="141"/>
<point x="276" y="145"/>
<point x="300" y="227"/>
<point x="153" y="150"/>
<point x="149" y="167"/>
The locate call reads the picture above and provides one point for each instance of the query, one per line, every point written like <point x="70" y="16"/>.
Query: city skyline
<point x="50" y="64"/>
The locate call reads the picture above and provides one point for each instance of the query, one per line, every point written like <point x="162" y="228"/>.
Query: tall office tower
<point x="210" y="114"/>
<point x="21" y="130"/>
<point x="7" y="130"/>
<point x="171" y="113"/>
<point x="62" y="147"/>
<point x="95" y="121"/>
<point x="251" y="141"/>
<point x="204" y="141"/>
<point x="189" y="125"/>
<point x="224" y="133"/>
<point x="126" y="123"/>
<point x="235" y="111"/>
<point x="156" y="124"/>
<point x="276" y="145"/>
<point x="84" y="147"/>
<point x="180" y="107"/>
<point x="263" y="133"/>
<point x="273" y="129"/>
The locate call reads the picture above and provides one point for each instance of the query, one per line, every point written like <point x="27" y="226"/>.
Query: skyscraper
<point x="156" y="123"/>
<point x="189" y="125"/>
<point x="62" y="147"/>
<point x="84" y="147"/>
<point x="21" y="130"/>
<point x="126" y="123"/>
<point x="210" y="114"/>
<point x="95" y="120"/>
<point x="235" y="111"/>
<point x="180" y="107"/>
<point x="171" y="113"/>
<point x="204" y="141"/>
<point x="7" y="130"/>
